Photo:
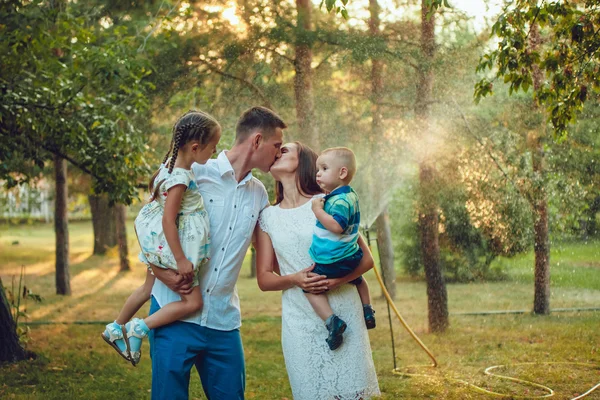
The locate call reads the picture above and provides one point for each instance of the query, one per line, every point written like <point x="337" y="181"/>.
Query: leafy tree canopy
<point x="71" y="86"/>
<point x="568" y="56"/>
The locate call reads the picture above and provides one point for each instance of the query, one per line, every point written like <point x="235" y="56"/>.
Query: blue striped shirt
<point x="328" y="247"/>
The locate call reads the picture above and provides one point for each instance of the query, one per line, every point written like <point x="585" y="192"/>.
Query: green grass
<point x="572" y="265"/>
<point x="75" y="363"/>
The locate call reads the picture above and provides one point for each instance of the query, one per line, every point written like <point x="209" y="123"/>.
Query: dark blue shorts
<point x="341" y="268"/>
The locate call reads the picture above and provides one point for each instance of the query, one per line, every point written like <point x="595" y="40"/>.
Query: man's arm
<point x="173" y="280"/>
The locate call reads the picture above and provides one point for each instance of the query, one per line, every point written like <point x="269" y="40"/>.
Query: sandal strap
<point x="131" y="332"/>
<point x="113" y="333"/>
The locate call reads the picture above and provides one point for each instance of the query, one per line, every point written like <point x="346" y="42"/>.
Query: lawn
<point x="74" y="363"/>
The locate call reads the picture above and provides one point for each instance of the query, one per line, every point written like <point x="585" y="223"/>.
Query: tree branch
<point x="289" y="59"/>
<point x="250" y="85"/>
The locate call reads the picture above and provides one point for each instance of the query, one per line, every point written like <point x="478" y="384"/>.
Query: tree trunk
<point x="61" y="228"/>
<point x="10" y="348"/>
<point x="384" y="233"/>
<point x="541" y="299"/>
<point x="437" y="298"/>
<point x="103" y="222"/>
<point x="303" y="77"/>
<point x="253" y="262"/>
<point x="121" y="228"/>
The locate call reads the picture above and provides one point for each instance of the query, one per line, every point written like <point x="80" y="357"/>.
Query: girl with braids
<point x="173" y="233"/>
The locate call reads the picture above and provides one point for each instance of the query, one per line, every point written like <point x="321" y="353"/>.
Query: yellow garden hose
<point x="398" y="371"/>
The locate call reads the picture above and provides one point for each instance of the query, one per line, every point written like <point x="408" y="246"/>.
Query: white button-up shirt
<point x="233" y="210"/>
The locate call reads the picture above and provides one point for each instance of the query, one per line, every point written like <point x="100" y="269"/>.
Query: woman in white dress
<point x="283" y="238"/>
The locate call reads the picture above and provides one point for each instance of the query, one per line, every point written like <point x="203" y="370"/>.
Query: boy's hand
<point x="318" y="204"/>
<point x="186" y="269"/>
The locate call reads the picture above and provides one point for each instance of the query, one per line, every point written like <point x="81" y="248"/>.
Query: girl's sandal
<point x="111" y="334"/>
<point x="135" y="351"/>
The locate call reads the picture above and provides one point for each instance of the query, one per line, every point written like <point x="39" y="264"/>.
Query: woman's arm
<point x="268" y="280"/>
<point x="366" y="263"/>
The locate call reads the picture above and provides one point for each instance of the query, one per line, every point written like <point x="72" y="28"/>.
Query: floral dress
<point x="192" y="224"/>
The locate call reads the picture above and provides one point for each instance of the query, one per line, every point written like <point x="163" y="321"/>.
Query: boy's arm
<point x="325" y="219"/>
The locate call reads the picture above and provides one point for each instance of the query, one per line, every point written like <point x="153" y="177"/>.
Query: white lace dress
<point x="315" y="372"/>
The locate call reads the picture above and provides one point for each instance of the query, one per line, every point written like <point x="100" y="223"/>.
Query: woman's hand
<point x="311" y="282"/>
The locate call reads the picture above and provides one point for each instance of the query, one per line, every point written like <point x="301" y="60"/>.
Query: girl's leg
<point x="136" y="300"/>
<point x="113" y="333"/>
<point x="138" y="329"/>
<point x="363" y="292"/>
<point x="189" y="304"/>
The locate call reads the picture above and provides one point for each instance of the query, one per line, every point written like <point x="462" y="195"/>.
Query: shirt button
<point x="207" y="290"/>
<point x="229" y="228"/>
<point x="211" y="200"/>
<point x="215" y="269"/>
<point x="223" y="248"/>
<point x="234" y="206"/>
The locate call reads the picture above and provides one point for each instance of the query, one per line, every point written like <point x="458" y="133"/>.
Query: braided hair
<point x="191" y="126"/>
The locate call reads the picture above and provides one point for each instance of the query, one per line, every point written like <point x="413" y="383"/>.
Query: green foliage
<point x="331" y="6"/>
<point x="466" y="253"/>
<point x="568" y="59"/>
<point x="499" y="176"/>
<point x="74" y="88"/>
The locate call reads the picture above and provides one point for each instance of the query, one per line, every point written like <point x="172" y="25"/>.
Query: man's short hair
<point x="258" y="119"/>
<point x="346" y="158"/>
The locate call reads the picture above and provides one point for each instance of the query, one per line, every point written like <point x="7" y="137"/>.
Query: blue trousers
<point x="217" y="355"/>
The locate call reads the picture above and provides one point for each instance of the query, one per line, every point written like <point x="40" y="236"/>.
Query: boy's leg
<point x="174" y="349"/>
<point x="363" y="292"/>
<point x="365" y="298"/>
<point x="136" y="300"/>
<point x="320" y="304"/>
<point x="221" y="366"/>
<point x="190" y="303"/>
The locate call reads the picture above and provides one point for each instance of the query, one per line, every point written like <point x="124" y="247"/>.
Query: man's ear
<point x="343" y="173"/>
<point x="195" y="147"/>
<point x="256" y="140"/>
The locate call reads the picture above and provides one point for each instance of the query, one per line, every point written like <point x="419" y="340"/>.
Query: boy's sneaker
<point x="369" y="314"/>
<point x="336" y="328"/>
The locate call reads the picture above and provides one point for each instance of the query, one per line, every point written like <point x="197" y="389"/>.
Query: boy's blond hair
<point x="346" y="158"/>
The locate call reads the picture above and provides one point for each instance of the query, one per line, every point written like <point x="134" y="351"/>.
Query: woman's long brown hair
<point x="306" y="174"/>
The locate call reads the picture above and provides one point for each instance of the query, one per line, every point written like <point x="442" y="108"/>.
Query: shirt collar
<point x="225" y="167"/>
<point x="340" y="190"/>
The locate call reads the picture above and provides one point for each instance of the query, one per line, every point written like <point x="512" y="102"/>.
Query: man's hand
<point x="311" y="282"/>
<point x="173" y="280"/>
<point x="318" y="204"/>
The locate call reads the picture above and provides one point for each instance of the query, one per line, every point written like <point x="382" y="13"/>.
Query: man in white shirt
<point x="210" y="339"/>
